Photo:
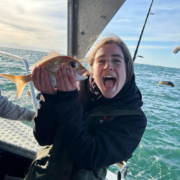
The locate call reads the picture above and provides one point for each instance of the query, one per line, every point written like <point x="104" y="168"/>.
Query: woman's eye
<point x="101" y="61"/>
<point x="117" y="60"/>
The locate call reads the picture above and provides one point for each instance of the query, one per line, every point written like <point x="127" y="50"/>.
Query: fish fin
<point x="50" y="55"/>
<point x="20" y="82"/>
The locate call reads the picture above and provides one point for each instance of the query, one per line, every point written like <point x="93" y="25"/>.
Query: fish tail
<point x="19" y="80"/>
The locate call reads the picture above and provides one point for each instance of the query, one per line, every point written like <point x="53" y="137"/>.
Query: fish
<point x="176" y="50"/>
<point x="51" y="62"/>
<point x="168" y="83"/>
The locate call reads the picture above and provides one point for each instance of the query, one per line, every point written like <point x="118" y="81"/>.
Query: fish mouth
<point x="109" y="81"/>
<point x="83" y="72"/>
<point x="81" y="75"/>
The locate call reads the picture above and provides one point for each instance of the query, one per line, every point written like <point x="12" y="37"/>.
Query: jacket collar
<point x="128" y="98"/>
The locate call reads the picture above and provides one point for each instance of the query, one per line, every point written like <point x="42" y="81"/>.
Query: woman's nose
<point x="108" y="66"/>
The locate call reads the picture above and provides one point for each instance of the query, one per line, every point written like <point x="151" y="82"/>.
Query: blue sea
<point x="158" y="155"/>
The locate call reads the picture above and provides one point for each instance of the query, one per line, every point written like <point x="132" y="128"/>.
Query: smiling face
<point x="109" y="69"/>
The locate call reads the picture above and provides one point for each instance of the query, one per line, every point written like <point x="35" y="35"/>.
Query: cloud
<point x="151" y="47"/>
<point x="34" y="23"/>
<point x="43" y="24"/>
<point x="121" y="20"/>
<point x="169" y="6"/>
<point x="162" y="27"/>
<point x="153" y="38"/>
<point x="18" y="26"/>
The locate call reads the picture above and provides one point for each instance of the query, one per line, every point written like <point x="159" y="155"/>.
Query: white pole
<point x="35" y="104"/>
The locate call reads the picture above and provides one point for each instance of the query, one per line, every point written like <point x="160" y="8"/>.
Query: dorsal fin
<point x="50" y="55"/>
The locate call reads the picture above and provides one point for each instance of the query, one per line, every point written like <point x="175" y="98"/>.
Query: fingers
<point x="72" y="77"/>
<point x="41" y="80"/>
<point x="48" y="87"/>
<point x="65" y="78"/>
<point x="59" y="79"/>
<point x="64" y="81"/>
<point x="46" y="80"/>
<point x="35" y="77"/>
<point x="42" y="75"/>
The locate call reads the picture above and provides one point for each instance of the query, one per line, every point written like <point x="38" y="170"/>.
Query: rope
<point x="149" y="28"/>
<point x="140" y="144"/>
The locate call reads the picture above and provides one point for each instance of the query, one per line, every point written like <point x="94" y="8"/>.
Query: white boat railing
<point x="33" y="96"/>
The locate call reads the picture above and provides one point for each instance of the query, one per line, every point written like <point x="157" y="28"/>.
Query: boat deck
<point x="17" y="138"/>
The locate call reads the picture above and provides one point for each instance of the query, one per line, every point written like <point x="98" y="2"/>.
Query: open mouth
<point x="109" y="81"/>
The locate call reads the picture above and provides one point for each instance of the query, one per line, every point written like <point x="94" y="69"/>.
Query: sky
<point x="42" y="26"/>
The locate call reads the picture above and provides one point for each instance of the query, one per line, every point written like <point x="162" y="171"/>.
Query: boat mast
<point x="86" y="20"/>
<point x="137" y="47"/>
<point x="70" y="28"/>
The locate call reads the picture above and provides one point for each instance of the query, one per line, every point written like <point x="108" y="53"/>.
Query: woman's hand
<point x="64" y="81"/>
<point x="41" y="81"/>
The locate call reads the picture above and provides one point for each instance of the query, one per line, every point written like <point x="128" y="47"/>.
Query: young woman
<point x="88" y="126"/>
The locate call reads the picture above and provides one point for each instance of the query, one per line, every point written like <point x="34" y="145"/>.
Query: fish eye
<point x="73" y="64"/>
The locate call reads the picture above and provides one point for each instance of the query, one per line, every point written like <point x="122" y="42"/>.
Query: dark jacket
<point x="107" y="143"/>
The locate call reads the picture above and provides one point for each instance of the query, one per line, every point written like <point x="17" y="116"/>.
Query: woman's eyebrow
<point x="117" y="55"/>
<point x="114" y="55"/>
<point x="101" y="56"/>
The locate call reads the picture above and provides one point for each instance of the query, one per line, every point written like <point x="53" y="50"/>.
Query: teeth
<point x="109" y="76"/>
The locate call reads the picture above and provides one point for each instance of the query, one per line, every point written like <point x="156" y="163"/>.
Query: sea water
<point x="158" y="154"/>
